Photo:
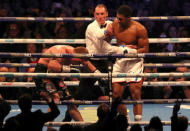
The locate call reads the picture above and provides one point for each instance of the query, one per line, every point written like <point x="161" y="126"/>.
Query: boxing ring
<point x="152" y="107"/>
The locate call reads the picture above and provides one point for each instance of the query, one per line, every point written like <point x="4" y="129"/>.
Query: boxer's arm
<point x="89" y="65"/>
<point x="109" y="29"/>
<point x="143" y="43"/>
<point x="54" y="66"/>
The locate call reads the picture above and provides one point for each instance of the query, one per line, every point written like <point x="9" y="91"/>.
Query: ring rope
<point x="30" y="65"/>
<point x="87" y="19"/>
<point x="142" y="123"/>
<point x="17" y="64"/>
<point x="92" y="75"/>
<point x="166" y="65"/>
<point x="82" y="41"/>
<point x="132" y="55"/>
<point x="96" y="102"/>
<point x="76" y="83"/>
<point x="160" y="65"/>
<point x="77" y="123"/>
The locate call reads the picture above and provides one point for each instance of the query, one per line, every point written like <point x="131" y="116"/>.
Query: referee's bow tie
<point x="103" y="26"/>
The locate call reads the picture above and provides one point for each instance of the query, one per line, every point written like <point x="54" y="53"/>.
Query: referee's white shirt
<point x="94" y="44"/>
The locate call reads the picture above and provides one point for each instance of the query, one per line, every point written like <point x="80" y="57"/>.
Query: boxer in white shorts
<point x="128" y="65"/>
<point x="133" y="35"/>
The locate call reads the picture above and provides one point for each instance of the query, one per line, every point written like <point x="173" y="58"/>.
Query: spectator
<point x="79" y="30"/>
<point x="172" y="33"/>
<point x="102" y="111"/>
<point x="183" y="33"/>
<point x="108" y="119"/>
<point x="178" y="123"/>
<point x="155" y="124"/>
<point x="136" y="127"/>
<point x="155" y="7"/>
<point x="173" y="7"/>
<point x="13" y="70"/>
<point x="185" y="8"/>
<point x="151" y="92"/>
<point x="68" y="127"/>
<point x="58" y="24"/>
<point x="121" y="123"/>
<point x="31" y="121"/>
<point x="13" y="93"/>
<point x="13" y="31"/>
<point x="76" y="7"/>
<point x="177" y="91"/>
<point x="4" y="110"/>
<point x="62" y="32"/>
<point x="31" y="48"/>
<point x="3" y="13"/>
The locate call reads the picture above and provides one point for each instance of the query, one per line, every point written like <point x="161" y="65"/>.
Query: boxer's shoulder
<point x="138" y="25"/>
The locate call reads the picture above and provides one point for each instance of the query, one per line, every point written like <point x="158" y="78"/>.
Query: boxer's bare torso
<point x="134" y="36"/>
<point x="58" y="49"/>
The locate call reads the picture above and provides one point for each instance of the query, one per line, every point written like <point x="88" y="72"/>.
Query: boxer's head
<point x="101" y="14"/>
<point x="124" y="14"/>
<point x="81" y="50"/>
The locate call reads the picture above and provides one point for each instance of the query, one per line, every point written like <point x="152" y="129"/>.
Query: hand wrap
<point x="68" y="69"/>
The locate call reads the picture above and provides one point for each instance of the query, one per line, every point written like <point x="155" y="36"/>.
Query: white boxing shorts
<point x="128" y="65"/>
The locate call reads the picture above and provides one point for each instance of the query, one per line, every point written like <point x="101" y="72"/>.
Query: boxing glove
<point x="126" y="49"/>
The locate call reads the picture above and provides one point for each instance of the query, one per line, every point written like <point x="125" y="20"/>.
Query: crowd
<point x="76" y="30"/>
<point x="107" y="118"/>
<point x="87" y="30"/>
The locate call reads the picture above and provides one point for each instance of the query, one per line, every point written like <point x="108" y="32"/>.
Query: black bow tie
<point x="103" y="26"/>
